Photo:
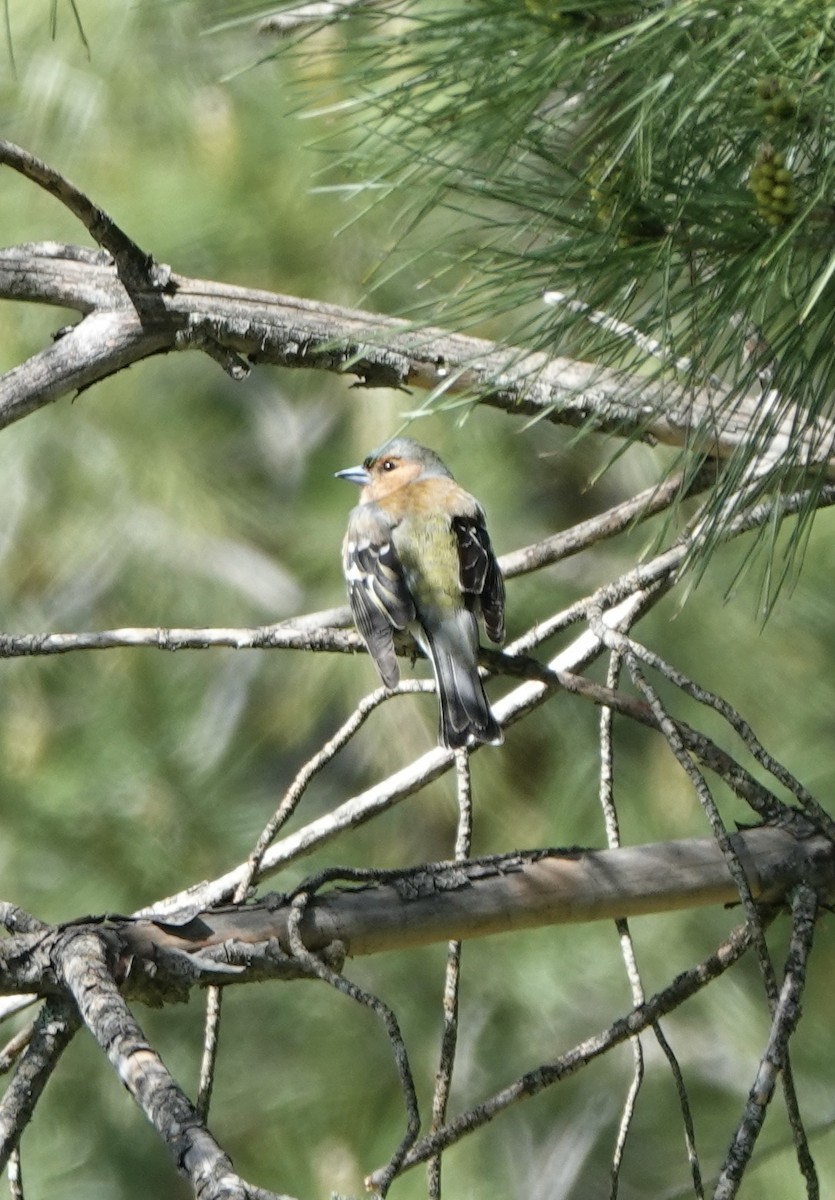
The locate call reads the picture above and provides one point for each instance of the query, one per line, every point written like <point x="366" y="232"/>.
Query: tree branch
<point x="83" y="962"/>
<point x="379" y="351"/>
<point x="160" y="959"/>
<point x="51" y="1033"/>
<point x="641" y="1017"/>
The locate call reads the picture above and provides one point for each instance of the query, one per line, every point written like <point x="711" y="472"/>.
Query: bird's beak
<point x="354" y="475"/>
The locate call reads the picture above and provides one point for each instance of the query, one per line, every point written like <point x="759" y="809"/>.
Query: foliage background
<point x="170" y="495"/>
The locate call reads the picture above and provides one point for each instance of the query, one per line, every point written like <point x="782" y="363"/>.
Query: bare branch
<point x="452" y="976"/>
<point x="84" y="965"/>
<point x="162" y="959"/>
<point x="52" y="1032"/>
<point x="681" y="989"/>
<point x="741" y="727"/>
<point x="313" y="631"/>
<point x="783" y="1023"/>
<point x="397" y="787"/>
<point x="265" y="327"/>
<point x="335" y="979"/>
<point x="605" y="525"/>
<point x="14" y="1047"/>
<point x="134" y="265"/>
<point x="315" y="12"/>
<point x="159" y="961"/>
<point x="444" y="901"/>
<point x="100" y="345"/>
<point x="208" y="1060"/>
<point x="709" y="807"/>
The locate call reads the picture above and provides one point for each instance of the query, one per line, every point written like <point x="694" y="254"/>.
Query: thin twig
<point x="608" y="524"/>
<point x="134" y="265"/>
<point x="336" y="980"/>
<point x="686" y="1111"/>
<point x="452" y="978"/>
<point x="648" y="345"/>
<point x="311" y="631"/>
<point x="668" y="728"/>
<point x="823" y="822"/>
<point x="311" y="12"/>
<point x="640" y="1018"/>
<point x="211" y="1043"/>
<point x="783" y="1024"/>
<point x="15" y="1046"/>
<point x="814" y="811"/>
<point x="211" y="1034"/>
<point x="610" y="821"/>
<point x="397" y="787"/>
<point x="14" y="1174"/>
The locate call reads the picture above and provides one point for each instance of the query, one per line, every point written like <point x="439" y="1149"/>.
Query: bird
<point x="417" y="557"/>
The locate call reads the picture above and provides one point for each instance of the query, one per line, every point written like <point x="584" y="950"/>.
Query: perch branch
<point x="397" y="787"/>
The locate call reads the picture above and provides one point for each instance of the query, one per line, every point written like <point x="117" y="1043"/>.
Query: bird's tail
<point x="465" y="715"/>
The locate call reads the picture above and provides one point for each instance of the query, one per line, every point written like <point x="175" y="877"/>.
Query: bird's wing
<point x="380" y="600"/>
<point x="479" y="574"/>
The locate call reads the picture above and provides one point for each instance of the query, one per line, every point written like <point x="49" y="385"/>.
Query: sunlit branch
<point x="244" y="326"/>
<point x="650" y="346"/>
<point x="133" y="264"/>
<point x="397" y="787"/>
<point x="371" y="911"/>
<point x="288" y="20"/>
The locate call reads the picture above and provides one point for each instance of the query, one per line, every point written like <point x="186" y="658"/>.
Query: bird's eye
<point x="388" y="464"/>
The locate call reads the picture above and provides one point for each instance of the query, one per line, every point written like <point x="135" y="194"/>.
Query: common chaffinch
<point x="417" y="556"/>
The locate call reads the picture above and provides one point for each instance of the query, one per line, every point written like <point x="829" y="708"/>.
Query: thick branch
<point x="83" y="962"/>
<point x="523" y="890"/>
<point x="160" y="959"/>
<point x="380" y="351"/>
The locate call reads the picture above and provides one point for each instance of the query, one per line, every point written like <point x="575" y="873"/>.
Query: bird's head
<point x="395" y="464"/>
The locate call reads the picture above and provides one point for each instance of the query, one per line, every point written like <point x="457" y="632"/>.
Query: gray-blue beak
<point x="354" y="475"/>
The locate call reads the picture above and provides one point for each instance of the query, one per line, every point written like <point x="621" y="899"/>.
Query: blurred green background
<point x="172" y="496"/>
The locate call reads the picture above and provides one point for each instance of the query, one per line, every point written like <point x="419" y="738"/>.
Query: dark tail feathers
<point x="465" y="715"/>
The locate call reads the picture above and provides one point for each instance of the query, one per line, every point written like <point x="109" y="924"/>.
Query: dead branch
<point x="85" y="964"/>
<point x="784" y="1021"/>
<point x="682" y="988"/>
<point x="51" y="1033"/>
<point x="245" y="326"/>
<point x="159" y="959"/>
<point x="97" y="963"/>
